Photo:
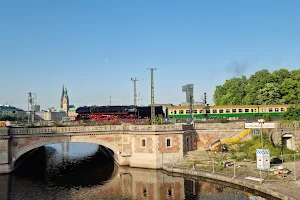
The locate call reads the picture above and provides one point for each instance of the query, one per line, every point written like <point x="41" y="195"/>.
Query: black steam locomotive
<point x="118" y="113"/>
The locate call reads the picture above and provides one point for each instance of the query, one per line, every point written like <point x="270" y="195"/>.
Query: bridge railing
<point x="87" y="129"/>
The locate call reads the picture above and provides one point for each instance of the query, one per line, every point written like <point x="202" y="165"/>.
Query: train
<point x="117" y="114"/>
<point x="142" y="114"/>
<point x="232" y="111"/>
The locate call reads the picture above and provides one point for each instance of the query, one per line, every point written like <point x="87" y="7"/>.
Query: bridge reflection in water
<point x="48" y="174"/>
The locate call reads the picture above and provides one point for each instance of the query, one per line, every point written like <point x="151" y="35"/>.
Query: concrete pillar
<point x="4" y="150"/>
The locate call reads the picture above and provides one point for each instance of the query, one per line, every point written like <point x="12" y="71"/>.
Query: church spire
<point x="64" y="102"/>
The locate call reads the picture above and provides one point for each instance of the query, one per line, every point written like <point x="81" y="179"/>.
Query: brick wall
<point x="138" y="144"/>
<point x="175" y="144"/>
<point x="205" y="138"/>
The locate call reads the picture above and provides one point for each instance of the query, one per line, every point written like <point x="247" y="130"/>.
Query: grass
<point x="247" y="149"/>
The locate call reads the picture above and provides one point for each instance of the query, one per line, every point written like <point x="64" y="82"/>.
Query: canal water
<point x="86" y="171"/>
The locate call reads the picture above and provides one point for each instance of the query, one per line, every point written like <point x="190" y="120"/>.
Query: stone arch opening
<point x="16" y="155"/>
<point x="287" y="140"/>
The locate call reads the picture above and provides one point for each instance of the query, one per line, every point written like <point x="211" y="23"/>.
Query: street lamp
<point x="261" y="122"/>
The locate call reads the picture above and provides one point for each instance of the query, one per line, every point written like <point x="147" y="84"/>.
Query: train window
<point x="143" y="143"/>
<point x="246" y="110"/>
<point x="252" y="110"/>
<point x="201" y="111"/>
<point x="215" y="111"/>
<point x="187" y="111"/>
<point x="282" y="109"/>
<point x="207" y="111"/>
<point x="180" y="111"/>
<point x="168" y="142"/>
<point x="234" y="110"/>
<point x="195" y="111"/>
<point x="276" y="109"/>
<point x="240" y="110"/>
<point x="171" y="112"/>
<point x="270" y="109"/>
<point x="220" y="111"/>
<point x="227" y="110"/>
<point x="175" y="112"/>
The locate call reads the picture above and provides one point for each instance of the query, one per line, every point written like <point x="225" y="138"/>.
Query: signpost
<point x="263" y="159"/>
<point x="189" y="90"/>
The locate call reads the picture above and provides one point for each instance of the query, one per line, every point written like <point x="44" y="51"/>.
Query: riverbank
<point x="281" y="190"/>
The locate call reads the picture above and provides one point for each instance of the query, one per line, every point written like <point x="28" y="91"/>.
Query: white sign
<point x="258" y="125"/>
<point x="263" y="159"/>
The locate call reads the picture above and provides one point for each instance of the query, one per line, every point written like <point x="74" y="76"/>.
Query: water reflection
<point x="49" y="174"/>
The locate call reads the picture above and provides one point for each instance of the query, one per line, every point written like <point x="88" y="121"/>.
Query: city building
<point x="72" y="112"/>
<point x="54" y="114"/>
<point x="12" y="111"/>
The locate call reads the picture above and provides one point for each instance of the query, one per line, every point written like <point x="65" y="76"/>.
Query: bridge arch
<point x="18" y="150"/>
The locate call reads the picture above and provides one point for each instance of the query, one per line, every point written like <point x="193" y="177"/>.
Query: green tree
<point x="8" y="117"/>
<point x="232" y="92"/>
<point x="295" y="75"/>
<point x="269" y="95"/>
<point x="292" y="113"/>
<point x="290" y="91"/>
<point x="255" y="83"/>
<point x="262" y="87"/>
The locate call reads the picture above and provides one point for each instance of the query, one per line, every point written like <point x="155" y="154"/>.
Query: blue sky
<point x="97" y="46"/>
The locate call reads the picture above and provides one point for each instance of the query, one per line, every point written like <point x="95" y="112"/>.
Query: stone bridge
<point x="145" y="146"/>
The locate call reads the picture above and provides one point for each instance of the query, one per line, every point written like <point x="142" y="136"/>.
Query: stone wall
<point x="220" y="126"/>
<point x="4" y="130"/>
<point x="205" y="138"/>
<point x="4" y="150"/>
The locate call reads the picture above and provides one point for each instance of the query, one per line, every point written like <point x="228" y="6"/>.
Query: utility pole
<point x="134" y="90"/>
<point x="31" y="103"/>
<point x="152" y="95"/>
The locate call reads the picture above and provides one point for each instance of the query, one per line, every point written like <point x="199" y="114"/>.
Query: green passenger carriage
<point x="227" y="111"/>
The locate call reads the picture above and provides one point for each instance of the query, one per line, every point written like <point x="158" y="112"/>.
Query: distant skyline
<point x="98" y="46"/>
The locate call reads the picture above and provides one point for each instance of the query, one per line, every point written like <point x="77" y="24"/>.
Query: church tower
<point x="64" y="101"/>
